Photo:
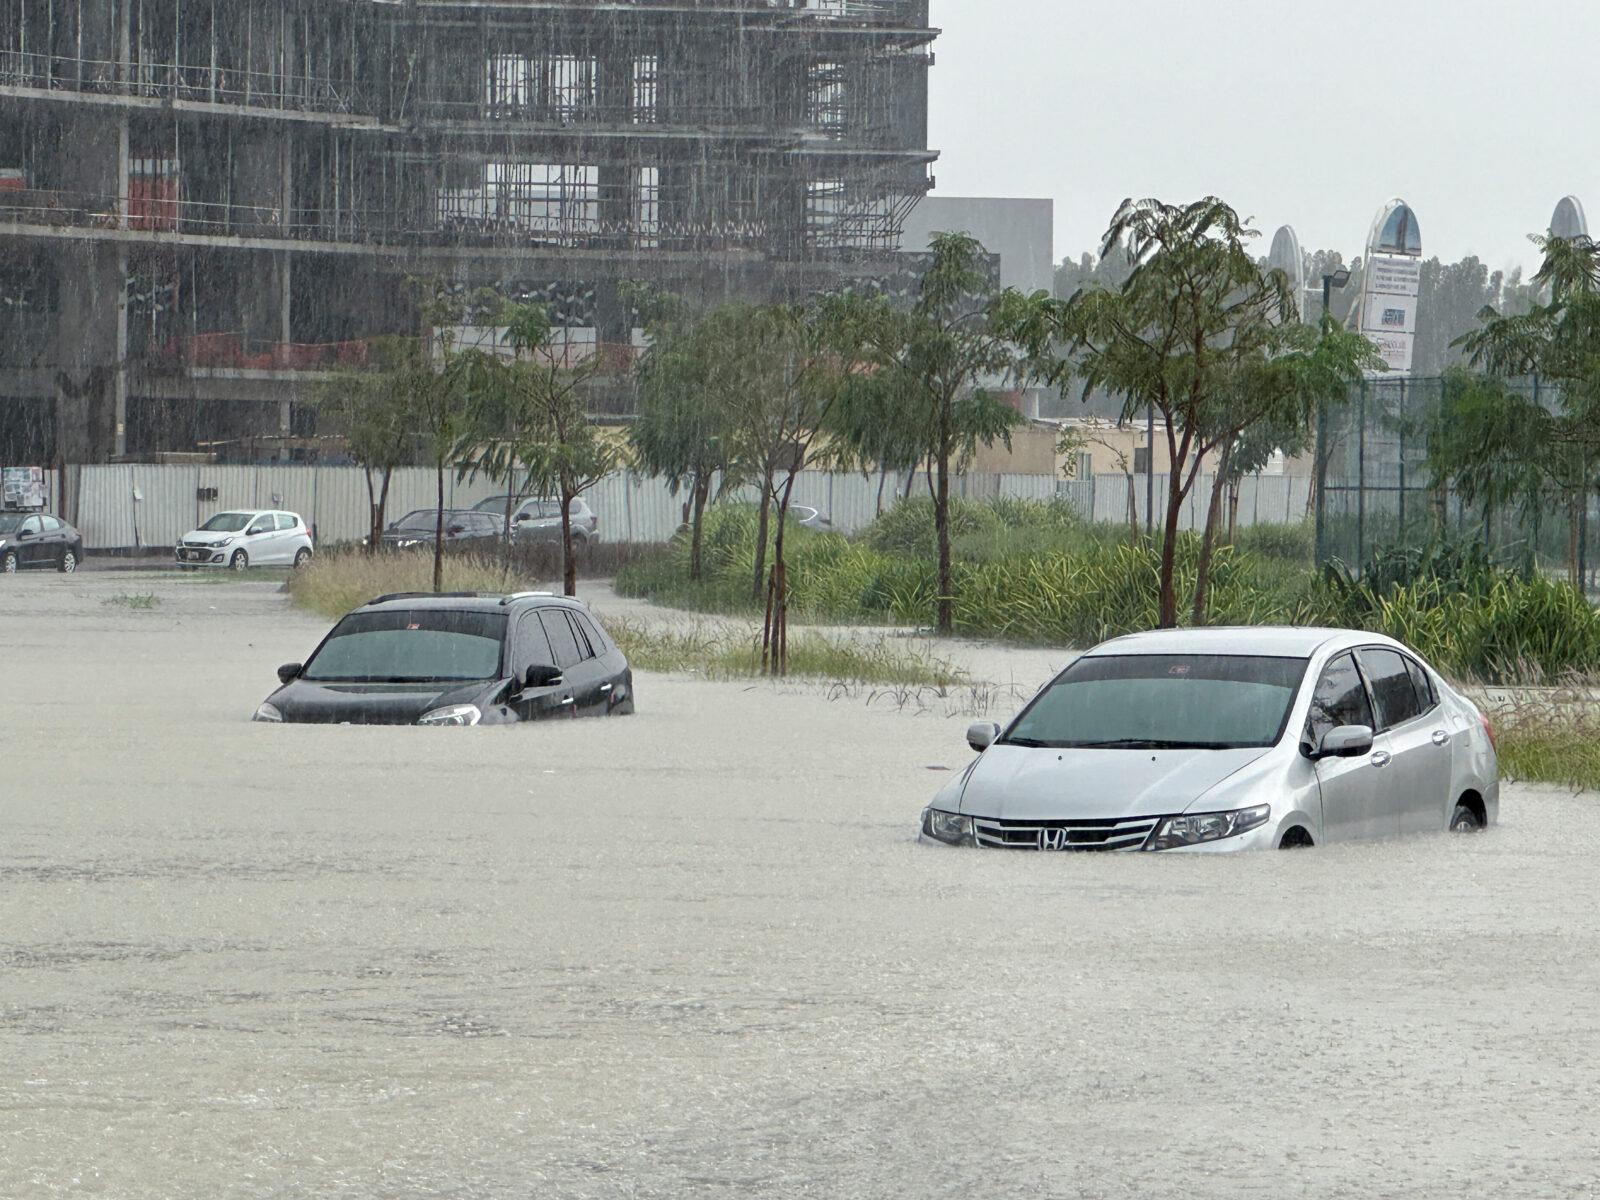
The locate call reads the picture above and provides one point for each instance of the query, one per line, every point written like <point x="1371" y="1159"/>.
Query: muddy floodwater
<point x="698" y="951"/>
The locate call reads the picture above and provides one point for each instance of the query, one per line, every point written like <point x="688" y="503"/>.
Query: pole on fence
<point x="1361" y="478"/>
<point x="1401" y="430"/>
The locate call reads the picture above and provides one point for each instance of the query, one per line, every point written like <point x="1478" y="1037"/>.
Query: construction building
<point x="208" y="205"/>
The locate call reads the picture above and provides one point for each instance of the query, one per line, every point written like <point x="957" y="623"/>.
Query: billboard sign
<point x="1391" y="279"/>
<point x="22" y="487"/>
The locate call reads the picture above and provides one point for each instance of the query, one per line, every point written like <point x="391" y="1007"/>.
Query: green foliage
<point x="1202" y="334"/>
<point x="1295" y="544"/>
<point x="137" y="601"/>
<point x="1474" y="619"/>
<point x="1037" y="573"/>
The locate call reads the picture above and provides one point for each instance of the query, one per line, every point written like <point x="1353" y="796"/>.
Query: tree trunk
<point x="373" y="532"/>
<point x="506" y="534"/>
<point x="438" y="536"/>
<point x="383" y="509"/>
<point x="775" y="630"/>
<point x="1167" y="602"/>
<point x="883" y="477"/>
<point x="569" y="565"/>
<point x="1233" y="509"/>
<point x="941" y="534"/>
<point x="1572" y="542"/>
<point x="1133" y="512"/>
<point x="1208" y="539"/>
<point x="697" y="499"/>
<point x="761" y="538"/>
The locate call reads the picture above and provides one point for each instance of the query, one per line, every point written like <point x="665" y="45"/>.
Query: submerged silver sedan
<point x="1226" y="739"/>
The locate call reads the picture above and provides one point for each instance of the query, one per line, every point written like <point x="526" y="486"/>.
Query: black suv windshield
<point x="1163" y="701"/>
<point x="411" y="646"/>
<point x="9" y="521"/>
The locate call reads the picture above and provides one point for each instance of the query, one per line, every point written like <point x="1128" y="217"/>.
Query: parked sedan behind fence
<point x="464" y="530"/>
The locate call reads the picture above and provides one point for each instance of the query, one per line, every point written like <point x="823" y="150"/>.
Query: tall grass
<point x="1035" y="572"/>
<point x="334" y="583"/>
<point x="722" y="652"/>
<point x="1026" y="572"/>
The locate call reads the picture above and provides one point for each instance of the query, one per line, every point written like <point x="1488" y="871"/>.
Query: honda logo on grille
<point x="1052" y="839"/>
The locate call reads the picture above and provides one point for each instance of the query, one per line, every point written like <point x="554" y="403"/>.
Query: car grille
<point x="1110" y="834"/>
<point x="199" y="545"/>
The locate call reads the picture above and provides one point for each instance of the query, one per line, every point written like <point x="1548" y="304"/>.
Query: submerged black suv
<point x="456" y="658"/>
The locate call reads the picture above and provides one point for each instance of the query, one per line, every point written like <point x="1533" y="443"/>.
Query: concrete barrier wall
<point x="128" y="506"/>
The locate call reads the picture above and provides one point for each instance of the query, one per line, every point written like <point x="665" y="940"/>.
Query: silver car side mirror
<point x="1346" y="741"/>
<point x="981" y="734"/>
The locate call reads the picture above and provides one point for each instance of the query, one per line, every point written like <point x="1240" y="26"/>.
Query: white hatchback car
<point x="1226" y="739"/>
<point x="241" y="538"/>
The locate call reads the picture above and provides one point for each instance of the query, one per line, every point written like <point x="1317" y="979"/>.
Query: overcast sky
<point x="1480" y="114"/>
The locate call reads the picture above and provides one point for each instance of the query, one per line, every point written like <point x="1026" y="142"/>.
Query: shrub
<point x="1289" y="543"/>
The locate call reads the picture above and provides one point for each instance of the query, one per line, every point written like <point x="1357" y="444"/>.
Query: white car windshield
<point x="1162" y="701"/>
<point x="411" y="646"/>
<point x="229" y="522"/>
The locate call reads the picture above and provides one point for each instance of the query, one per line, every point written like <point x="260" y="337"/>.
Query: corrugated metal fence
<point x="133" y="505"/>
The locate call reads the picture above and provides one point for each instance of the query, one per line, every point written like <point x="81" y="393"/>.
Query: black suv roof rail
<point x="514" y="596"/>
<point x="425" y="595"/>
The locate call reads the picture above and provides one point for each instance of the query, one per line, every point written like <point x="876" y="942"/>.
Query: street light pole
<point x="1330" y="281"/>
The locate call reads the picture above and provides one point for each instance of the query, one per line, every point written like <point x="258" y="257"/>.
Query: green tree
<point x="784" y="367"/>
<point x="1533" y="448"/>
<point x="501" y="411"/>
<point x="374" y="409"/>
<point x="438" y="387"/>
<point x="685" y="427"/>
<point x="1199" y="331"/>
<point x="561" y="450"/>
<point x="929" y="365"/>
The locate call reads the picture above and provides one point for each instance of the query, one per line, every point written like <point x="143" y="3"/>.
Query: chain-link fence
<point x="1378" y="491"/>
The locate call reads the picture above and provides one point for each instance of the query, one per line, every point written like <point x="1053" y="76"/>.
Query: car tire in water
<point x="301" y="557"/>
<point x="68" y="562"/>
<point x="239" y="561"/>
<point x="9" y="563"/>
<point x="1464" y="820"/>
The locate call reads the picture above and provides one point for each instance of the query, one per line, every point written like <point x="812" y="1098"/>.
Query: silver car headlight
<point x="952" y="828"/>
<point x="1195" y="828"/>
<point x="267" y="712"/>
<point x="454" y="714"/>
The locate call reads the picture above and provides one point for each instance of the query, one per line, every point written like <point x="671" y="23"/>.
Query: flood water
<point x="697" y="951"/>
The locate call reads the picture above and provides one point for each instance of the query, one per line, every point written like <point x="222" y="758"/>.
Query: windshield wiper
<point x="1024" y="741"/>
<point x="1144" y="744"/>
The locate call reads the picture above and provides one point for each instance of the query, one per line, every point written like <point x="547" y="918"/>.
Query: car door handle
<point x="1440" y="737"/>
<point x="566" y="699"/>
<point x="1380" y="758"/>
<point x="605" y="687"/>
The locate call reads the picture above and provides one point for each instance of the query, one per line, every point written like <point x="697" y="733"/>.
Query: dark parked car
<point x="464" y="658"/>
<point x="537" y="519"/>
<point x="38" y="540"/>
<point x="463" y="530"/>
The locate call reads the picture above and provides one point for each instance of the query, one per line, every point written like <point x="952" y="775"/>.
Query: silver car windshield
<point x="416" y="646"/>
<point x="1162" y="701"/>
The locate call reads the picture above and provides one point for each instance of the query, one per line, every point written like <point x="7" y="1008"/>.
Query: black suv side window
<point x="533" y="645"/>
<point x="562" y="640"/>
<point x="1340" y="699"/>
<point x="1391" y="687"/>
<point x="587" y="630"/>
